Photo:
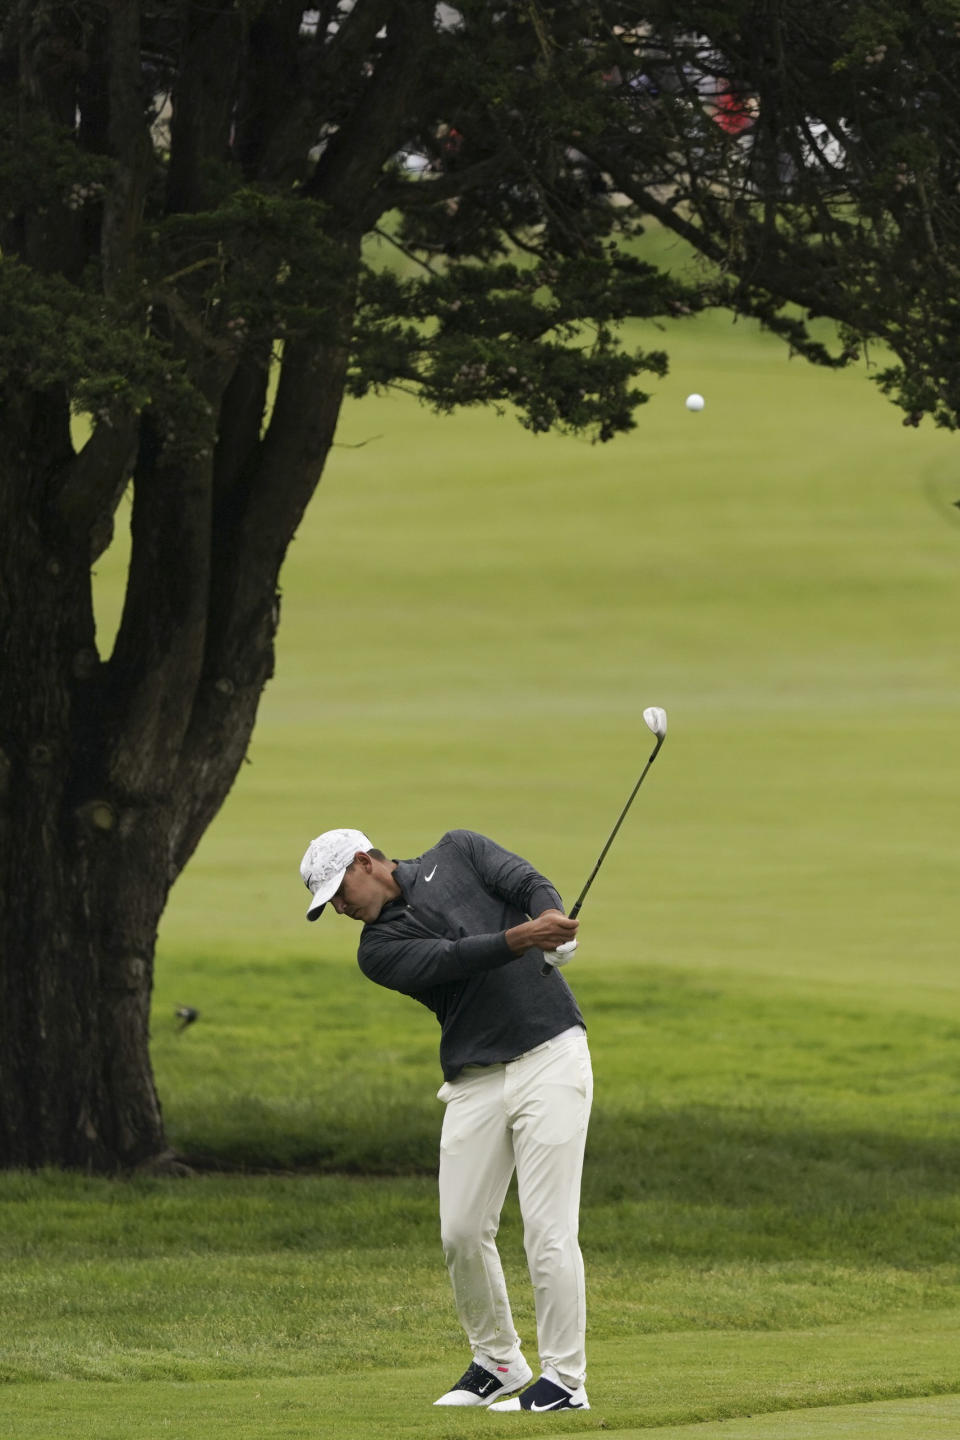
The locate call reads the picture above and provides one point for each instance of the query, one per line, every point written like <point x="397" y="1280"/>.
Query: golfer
<point x="465" y="929"/>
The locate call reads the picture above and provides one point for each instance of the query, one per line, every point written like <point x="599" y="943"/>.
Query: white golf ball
<point x="695" y="402"/>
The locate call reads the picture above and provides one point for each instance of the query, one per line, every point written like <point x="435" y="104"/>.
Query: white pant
<point x="530" y="1114"/>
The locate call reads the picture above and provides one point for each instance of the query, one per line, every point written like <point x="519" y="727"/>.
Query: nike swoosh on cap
<point x="429" y="877"/>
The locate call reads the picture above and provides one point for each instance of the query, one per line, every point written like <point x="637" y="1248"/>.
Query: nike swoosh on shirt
<point x="429" y="877"/>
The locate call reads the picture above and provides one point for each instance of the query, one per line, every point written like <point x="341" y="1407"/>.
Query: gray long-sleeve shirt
<point x="442" y="942"/>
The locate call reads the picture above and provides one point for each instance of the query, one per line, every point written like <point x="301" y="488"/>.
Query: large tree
<point x="189" y="191"/>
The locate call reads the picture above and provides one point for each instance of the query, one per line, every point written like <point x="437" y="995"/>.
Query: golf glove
<point x="562" y="954"/>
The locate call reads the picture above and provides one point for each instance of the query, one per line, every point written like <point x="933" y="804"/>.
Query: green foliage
<point x="541" y="337"/>
<point x="42" y="168"/>
<point x="249" y="264"/>
<point x="257" y="263"/>
<point x="530" y="119"/>
<point x="522" y="111"/>
<point x="60" y="334"/>
<point x="261" y="266"/>
<point x="841" y="193"/>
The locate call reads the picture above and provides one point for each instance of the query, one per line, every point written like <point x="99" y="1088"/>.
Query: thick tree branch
<point x="241" y="420"/>
<point x="277" y="120"/>
<point x="212" y="38"/>
<point x="158" y="656"/>
<point x="91" y="486"/>
<point x="129" y="141"/>
<point x="349" y="169"/>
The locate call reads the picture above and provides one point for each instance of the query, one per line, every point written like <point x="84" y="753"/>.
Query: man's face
<point x="362" y="894"/>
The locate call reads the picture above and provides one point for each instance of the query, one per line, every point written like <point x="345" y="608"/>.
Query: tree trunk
<point x="81" y="883"/>
<point x="76" y="1085"/>
<point x="101" y="781"/>
<point x="93" y="812"/>
<point x="110" y="771"/>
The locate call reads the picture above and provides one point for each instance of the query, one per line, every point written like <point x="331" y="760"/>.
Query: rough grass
<point x="747" y="1177"/>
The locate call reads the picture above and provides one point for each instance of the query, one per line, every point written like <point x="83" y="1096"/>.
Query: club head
<point x="655" y="719"/>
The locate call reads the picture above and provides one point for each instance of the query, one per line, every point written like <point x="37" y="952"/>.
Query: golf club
<point x="655" y="719"/>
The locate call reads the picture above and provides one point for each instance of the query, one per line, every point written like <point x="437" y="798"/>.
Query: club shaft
<point x="546" y="967"/>
<point x="613" y="833"/>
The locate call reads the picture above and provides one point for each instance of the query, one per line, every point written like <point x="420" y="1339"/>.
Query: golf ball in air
<point x="695" y="402"/>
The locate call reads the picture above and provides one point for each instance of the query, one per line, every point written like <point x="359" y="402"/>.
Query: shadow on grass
<point x="699" y="1181"/>
<point x="718" y="1186"/>
<point x="709" y="1155"/>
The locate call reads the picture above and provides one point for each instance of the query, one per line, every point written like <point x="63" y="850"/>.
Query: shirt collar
<point x="405" y="872"/>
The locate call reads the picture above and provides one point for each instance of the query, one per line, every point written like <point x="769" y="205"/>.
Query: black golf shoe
<point x="479" y="1386"/>
<point x="546" y="1395"/>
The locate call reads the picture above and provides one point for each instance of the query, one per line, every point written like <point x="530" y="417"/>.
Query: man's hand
<point x="546" y="932"/>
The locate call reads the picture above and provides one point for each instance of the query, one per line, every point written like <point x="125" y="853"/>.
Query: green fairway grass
<point x="681" y="1393"/>
<point x="473" y="620"/>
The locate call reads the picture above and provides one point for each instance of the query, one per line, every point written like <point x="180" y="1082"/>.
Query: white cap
<point x="325" y="863"/>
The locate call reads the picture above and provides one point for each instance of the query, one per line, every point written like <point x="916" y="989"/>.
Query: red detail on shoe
<point x="503" y="1369"/>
